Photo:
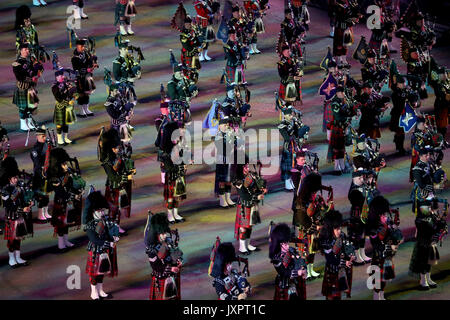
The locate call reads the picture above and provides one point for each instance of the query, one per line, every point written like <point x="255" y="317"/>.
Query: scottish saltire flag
<point x="408" y="119"/>
<point x="222" y="32"/>
<point x="211" y="122"/>
<point x="328" y="87"/>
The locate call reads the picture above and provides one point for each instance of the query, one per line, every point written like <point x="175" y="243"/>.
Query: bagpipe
<point x="25" y="182"/>
<point x="134" y="62"/>
<point x="78" y="183"/>
<point x="319" y="207"/>
<point x="439" y="218"/>
<point x="312" y="160"/>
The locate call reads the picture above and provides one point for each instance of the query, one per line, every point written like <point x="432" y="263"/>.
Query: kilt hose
<point x="336" y="147"/>
<point x="93" y="264"/>
<point x="331" y="286"/>
<point x="327" y="116"/>
<point x="338" y="43"/>
<point x="283" y="293"/>
<point x="157" y="288"/>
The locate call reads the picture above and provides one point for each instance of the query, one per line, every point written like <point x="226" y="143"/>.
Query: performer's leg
<point x="222" y="195"/>
<point x="82" y="14"/>
<point x="65" y="130"/>
<point x="242" y="242"/>
<point x="310" y="266"/>
<point x="177" y="217"/>
<point x="94" y="290"/>
<point x="228" y="194"/>
<point x="170" y="210"/>
<point x="67" y="243"/>
<point x="15" y="246"/>
<point x="247" y="241"/>
<point x="59" y="134"/>
<point x="12" y="246"/>
<point x="128" y="23"/>
<point x="123" y="32"/>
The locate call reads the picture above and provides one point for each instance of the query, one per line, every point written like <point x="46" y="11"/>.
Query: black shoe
<point x="433" y="286"/>
<point x="172" y="222"/>
<point x="424" y="288"/>
<point x="392" y="51"/>
<point x="246" y="253"/>
<point x="90" y="114"/>
<point x="26" y="263"/>
<point x="227" y="207"/>
<point x="180" y="220"/>
<point x="109" y="296"/>
<point x="15" y="266"/>
<point x="81" y="116"/>
<point x="255" y="250"/>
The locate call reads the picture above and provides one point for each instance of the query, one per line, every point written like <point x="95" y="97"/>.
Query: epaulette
<point x="15" y="64"/>
<point x="282" y="125"/>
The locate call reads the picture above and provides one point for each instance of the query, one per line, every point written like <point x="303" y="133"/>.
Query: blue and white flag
<point x="408" y="119"/>
<point x="211" y="122"/>
<point x="222" y="32"/>
<point x="328" y="87"/>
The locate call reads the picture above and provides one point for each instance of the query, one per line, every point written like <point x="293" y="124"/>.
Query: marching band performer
<point x="290" y="75"/>
<point x="290" y="266"/>
<point x="346" y="15"/>
<point x="103" y="234"/>
<point x="64" y="93"/>
<point x="191" y="45"/>
<point x="372" y="73"/>
<point x="339" y="255"/>
<point x="205" y="14"/>
<point x="251" y="190"/>
<point x="330" y="80"/>
<point x="25" y="96"/>
<point x="357" y="195"/>
<point x="26" y="31"/>
<point x="79" y="10"/>
<point x="18" y="203"/>
<point x="234" y="54"/>
<point x="124" y="11"/>
<point x="440" y="83"/>
<point x="385" y="237"/>
<point x="119" y="110"/>
<point x="84" y="62"/>
<point x="118" y="169"/>
<point x="229" y="283"/>
<point x="289" y="28"/>
<point x="165" y="258"/>
<point x="237" y="24"/>
<point x="39" y="154"/>
<point x="67" y="201"/>
<point x="430" y="227"/>
<point x="225" y="146"/>
<point x="342" y="113"/>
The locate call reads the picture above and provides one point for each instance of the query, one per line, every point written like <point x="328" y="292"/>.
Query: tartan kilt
<point x="375" y="44"/>
<point x="282" y="294"/>
<point x="331" y="286"/>
<point x="286" y="164"/>
<point x="112" y="196"/>
<point x="282" y="91"/>
<point x="93" y="263"/>
<point x="63" y="114"/>
<point x="10" y="230"/>
<point x="20" y="99"/>
<point x="59" y="215"/>
<point x="338" y="42"/>
<point x="157" y="288"/>
<point x="169" y="190"/>
<point x="231" y="72"/>
<point x="305" y="246"/>
<point x="336" y="149"/>
<point x="380" y="262"/>
<point x="327" y="116"/>
<point x="243" y="219"/>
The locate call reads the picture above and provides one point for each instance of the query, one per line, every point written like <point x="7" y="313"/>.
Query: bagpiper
<point x="78" y="11"/>
<point x="165" y="257"/>
<point x="84" y="62"/>
<point x="230" y="283"/>
<point x="119" y="110"/>
<point x="17" y="200"/>
<point x="103" y="235"/>
<point x="290" y="281"/>
<point x="124" y="11"/>
<point x="205" y="12"/>
<point x="64" y="178"/>
<point x="235" y="56"/>
<point x="25" y="95"/>
<point x="290" y="76"/>
<point x="385" y="236"/>
<point x="251" y="190"/>
<point x="39" y="155"/>
<point x="116" y="160"/>
<point x="339" y="255"/>
<point x="65" y="92"/>
<point x="372" y="73"/>
<point x="440" y="81"/>
<point x="190" y="46"/>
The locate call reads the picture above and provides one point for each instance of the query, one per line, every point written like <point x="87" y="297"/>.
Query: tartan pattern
<point x="59" y="216"/>
<point x="231" y="72"/>
<point x="330" y="284"/>
<point x="286" y="165"/>
<point x="305" y="246"/>
<point x="169" y="190"/>
<point x="59" y="115"/>
<point x="282" y="91"/>
<point x="378" y="261"/>
<point x="336" y="148"/>
<point x="338" y="42"/>
<point x="157" y="288"/>
<point x="112" y="196"/>
<point x="20" y="98"/>
<point x="327" y="116"/>
<point x="93" y="263"/>
<point x="185" y="60"/>
<point x="441" y="117"/>
<point x="10" y="230"/>
<point x="243" y="219"/>
<point x="282" y="294"/>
